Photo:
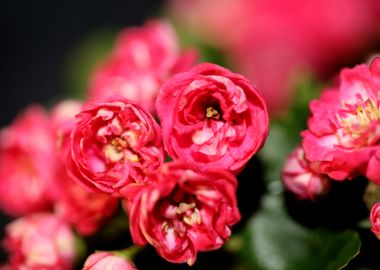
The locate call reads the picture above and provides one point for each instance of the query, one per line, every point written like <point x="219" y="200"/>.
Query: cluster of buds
<point x="66" y="171"/>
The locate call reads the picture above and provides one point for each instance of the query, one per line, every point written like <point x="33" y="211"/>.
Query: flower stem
<point x="129" y="253"/>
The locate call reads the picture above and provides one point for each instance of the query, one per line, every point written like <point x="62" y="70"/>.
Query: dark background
<point x="36" y="37"/>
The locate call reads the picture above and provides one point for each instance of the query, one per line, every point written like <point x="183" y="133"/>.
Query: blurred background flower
<point x="276" y="42"/>
<point x="43" y="40"/>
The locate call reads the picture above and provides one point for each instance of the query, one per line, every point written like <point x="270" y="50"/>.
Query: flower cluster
<point x="343" y="130"/>
<point x="342" y="139"/>
<point x="72" y="166"/>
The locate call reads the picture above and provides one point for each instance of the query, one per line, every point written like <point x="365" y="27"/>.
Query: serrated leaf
<point x="274" y="241"/>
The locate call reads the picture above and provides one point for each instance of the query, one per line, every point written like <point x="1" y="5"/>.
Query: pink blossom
<point x="182" y="210"/>
<point x="375" y="219"/>
<point x="142" y="58"/>
<point x="27" y="163"/>
<point x="40" y="241"/>
<point x="344" y="128"/>
<point x="212" y="117"/>
<point x="302" y="177"/>
<point x="107" y="260"/>
<point x="63" y="120"/>
<point x="85" y="209"/>
<point x="114" y="143"/>
<point x="276" y="42"/>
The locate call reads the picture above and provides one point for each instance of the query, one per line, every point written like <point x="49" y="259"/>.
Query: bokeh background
<point x="39" y="37"/>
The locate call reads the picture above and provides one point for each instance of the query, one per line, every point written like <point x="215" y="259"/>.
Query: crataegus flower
<point x="27" y="163"/>
<point x="344" y="129"/>
<point x="212" y="117"/>
<point x="63" y="120"/>
<point x="107" y="260"/>
<point x="302" y="178"/>
<point x="85" y="209"/>
<point x="375" y="219"/>
<point x="143" y="57"/>
<point x="40" y="241"/>
<point x="182" y="211"/>
<point x="114" y="142"/>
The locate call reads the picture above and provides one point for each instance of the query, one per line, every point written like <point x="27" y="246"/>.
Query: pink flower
<point x="182" y="210"/>
<point x="212" y="117"/>
<point x="86" y="210"/>
<point x="302" y="178"/>
<point x="375" y="219"/>
<point x="143" y="57"/>
<point x="40" y="241"/>
<point x="27" y="163"/>
<point x="114" y="143"/>
<point x="344" y="128"/>
<point x="63" y="121"/>
<point x="107" y="260"/>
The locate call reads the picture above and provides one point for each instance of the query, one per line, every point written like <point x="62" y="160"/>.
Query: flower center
<point x="356" y="123"/>
<point x="190" y="213"/>
<point x="211" y="112"/>
<point x="118" y="150"/>
<point x="367" y="113"/>
<point x="177" y="215"/>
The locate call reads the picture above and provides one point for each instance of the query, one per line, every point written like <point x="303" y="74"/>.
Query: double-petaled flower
<point x="212" y="117"/>
<point x="27" y="163"/>
<point x="40" y="241"/>
<point x="182" y="210"/>
<point x="114" y="142"/>
<point x="344" y="129"/>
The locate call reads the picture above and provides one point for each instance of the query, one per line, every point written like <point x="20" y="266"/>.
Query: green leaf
<point x="272" y="240"/>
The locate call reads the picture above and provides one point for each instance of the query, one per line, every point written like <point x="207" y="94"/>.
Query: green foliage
<point x="273" y="240"/>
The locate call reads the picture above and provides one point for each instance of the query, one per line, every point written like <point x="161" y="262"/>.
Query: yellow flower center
<point x="354" y="125"/>
<point x="118" y="150"/>
<point x="191" y="214"/>
<point x="211" y="112"/>
<point x="367" y="113"/>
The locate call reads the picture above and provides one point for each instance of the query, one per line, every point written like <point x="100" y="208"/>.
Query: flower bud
<point x="301" y="177"/>
<point x="107" y="260"/>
